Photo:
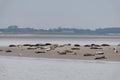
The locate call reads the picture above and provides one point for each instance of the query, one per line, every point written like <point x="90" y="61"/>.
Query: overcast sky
<point x="54" y="13"/>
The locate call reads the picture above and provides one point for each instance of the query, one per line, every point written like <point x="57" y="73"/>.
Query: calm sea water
<point x="58" y="39"/>
<point x="17" y="68"/>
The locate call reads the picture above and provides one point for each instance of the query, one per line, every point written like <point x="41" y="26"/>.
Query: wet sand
<point x="66" y="51"/>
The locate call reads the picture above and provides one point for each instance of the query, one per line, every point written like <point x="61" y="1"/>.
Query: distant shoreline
<point x="59" y="30"/>
<point x="70" y="34"/>
<point x="54" y="33"/>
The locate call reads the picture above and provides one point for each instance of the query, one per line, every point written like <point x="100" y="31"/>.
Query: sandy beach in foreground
<point x="66" y="51"/>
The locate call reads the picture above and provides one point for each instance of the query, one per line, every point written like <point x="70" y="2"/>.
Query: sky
<point x="45" y="14"/>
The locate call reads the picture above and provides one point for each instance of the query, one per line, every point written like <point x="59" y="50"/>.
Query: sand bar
<point x="67" y="51"/>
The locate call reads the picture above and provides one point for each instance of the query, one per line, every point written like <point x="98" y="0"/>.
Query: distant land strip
<point x="99" y="31"/>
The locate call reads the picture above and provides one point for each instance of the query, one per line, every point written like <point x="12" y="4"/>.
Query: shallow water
<point x="59" y="39"/>
<point x="14" y="68"/>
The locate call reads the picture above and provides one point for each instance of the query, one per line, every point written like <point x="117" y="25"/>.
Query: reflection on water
<point x="60" y="39"/>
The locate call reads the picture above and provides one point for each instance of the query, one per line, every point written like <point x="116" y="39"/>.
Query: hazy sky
<point x="54" y="13"/>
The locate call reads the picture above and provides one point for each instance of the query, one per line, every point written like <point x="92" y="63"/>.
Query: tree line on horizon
<point x="99" y="31"/>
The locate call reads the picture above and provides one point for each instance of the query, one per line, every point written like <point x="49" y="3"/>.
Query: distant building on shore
<point x="13" y="27"/>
